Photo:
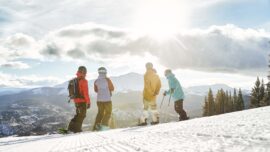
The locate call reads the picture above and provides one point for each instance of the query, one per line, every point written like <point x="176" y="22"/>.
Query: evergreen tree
<point x="226" y="102"/>
<point x="205" y="107"/>
<point x="240" y="101"/>
<point x="211" y="103"/>
<point x="266" y="99"/>
<point x="220" y="100"/>
<point x="234" y="100"/>
<point x="223" y="101"/>
<point x="230" y="102"/>
<point x="262" y="95"/>
<point x="255" y="94"/>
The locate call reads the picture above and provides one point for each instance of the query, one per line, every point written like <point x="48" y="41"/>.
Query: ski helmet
<point x="102" y="70"/>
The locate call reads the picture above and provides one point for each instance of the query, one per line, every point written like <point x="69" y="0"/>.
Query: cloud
<point x="35" y="18"/>
<point x="227" y="49"/>
<point x="18" y="46"/>
<point x="15" y="65"/>
<point x="27" y="81"/>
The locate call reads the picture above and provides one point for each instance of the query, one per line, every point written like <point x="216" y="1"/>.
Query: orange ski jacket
<point x="83" y="87"/>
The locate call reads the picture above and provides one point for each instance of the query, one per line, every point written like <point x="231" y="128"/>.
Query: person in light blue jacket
<point x="176" y="91"/>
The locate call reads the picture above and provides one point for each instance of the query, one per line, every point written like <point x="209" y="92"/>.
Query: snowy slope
<point x="247" y="131"/>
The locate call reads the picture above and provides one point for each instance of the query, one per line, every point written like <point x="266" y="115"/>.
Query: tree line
<point x="223" y="102"/>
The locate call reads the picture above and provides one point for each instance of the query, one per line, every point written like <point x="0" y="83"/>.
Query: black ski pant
<point x="104" y="113"/>
<point x="75" y="124"/>
<point x="178" y="106"/>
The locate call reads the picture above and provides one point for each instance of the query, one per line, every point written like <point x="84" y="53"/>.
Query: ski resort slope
<point x="247" y="131"/>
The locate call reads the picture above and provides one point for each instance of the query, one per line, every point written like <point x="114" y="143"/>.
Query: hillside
<point x="246" y="131"/>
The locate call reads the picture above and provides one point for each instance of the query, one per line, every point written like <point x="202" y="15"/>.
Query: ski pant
<point x="178" y="106"/>
<point x="152" y="105"/>
<point x="104" y="113"/>
<point x="75" y="124"/>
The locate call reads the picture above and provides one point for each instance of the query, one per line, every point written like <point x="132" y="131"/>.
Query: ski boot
<point x="104" y="128"/>
<point x="187" y="118"/>
<point x="142" y="123"/>
<point x="155" y="122"/>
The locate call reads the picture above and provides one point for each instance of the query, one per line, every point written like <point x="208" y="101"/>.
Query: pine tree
<point x="255" y="94"/>
<point x="262" y="95"/>
<point x="234" y="100"/>
<point x="266" y="99"/>
<point x="220" y="100"/>
<point x="205" y="107"/>
<point x="226" y="102"/>
<point x="217" y="103"/>
<point x="211" y="103"/>
<point x="230" y="102"/>
<point x="240" y="101"/>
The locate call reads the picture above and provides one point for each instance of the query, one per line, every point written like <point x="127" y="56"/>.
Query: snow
<point x="37" y="91"/>
<point x="247" y="131"/>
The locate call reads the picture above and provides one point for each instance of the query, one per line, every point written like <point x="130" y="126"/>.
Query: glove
<point x="88" y="105"/>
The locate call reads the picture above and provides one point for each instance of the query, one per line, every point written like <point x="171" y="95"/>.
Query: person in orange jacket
<point x="82" y="103"/>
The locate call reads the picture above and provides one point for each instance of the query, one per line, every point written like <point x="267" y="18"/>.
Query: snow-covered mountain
<point x="122" y="83"/>
<point x="246" y="131"/>
<point x="203" y="89"/>
<point x="7" y="90"/>
<point x="134" y="82"/>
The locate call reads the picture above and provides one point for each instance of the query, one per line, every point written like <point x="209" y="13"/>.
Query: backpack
<point x="74" y="89"/>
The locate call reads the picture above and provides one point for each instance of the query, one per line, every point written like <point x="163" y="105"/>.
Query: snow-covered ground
<point x="247" y="131"/>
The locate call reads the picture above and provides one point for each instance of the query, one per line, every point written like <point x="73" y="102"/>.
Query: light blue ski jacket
<point x="175" y="88"/>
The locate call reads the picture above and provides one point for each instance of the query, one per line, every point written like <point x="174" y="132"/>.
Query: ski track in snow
<point x="247" y="131"/>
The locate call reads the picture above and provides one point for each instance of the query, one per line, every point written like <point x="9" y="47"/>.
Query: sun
<point x="161" y="18"/>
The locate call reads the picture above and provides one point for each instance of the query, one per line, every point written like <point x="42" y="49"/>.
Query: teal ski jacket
<point x="175" y="88"/>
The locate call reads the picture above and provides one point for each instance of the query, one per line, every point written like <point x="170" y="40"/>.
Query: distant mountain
<point x="128" y="82"/>
<point x="203" y="89"/>
<point x="7" y="90"/>
<point x="122" y="83"/>
<point x="134" y="82"/>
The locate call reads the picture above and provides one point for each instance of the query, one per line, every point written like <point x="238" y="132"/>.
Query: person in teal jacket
<point x="176" y="91"/>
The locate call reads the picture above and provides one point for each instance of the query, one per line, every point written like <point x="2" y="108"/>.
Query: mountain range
<point x="44" y="109"/>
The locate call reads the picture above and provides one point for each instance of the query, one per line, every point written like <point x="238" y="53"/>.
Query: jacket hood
<point x="151" y="71"/>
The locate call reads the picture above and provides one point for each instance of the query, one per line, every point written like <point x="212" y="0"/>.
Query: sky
<point x="42" y="42"/>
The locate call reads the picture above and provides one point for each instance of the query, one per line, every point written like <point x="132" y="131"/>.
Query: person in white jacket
<point x="103" y="86"/>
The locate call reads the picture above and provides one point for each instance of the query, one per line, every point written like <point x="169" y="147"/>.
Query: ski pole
<point x="162" y="102"/>
<point x="170" y="99"/>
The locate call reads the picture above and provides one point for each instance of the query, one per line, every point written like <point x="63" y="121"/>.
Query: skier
<point x="152" y="87"/>
<point x="103" y="86"/>
<point x="176" y="91"/>
<point x="81" y="100"/>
